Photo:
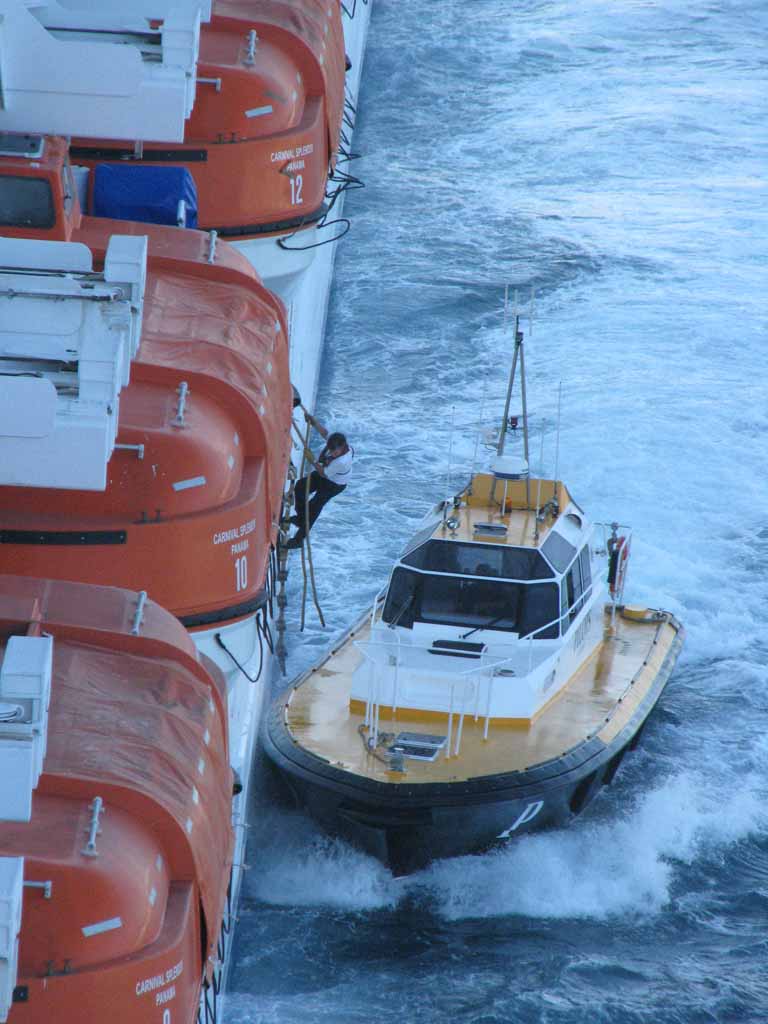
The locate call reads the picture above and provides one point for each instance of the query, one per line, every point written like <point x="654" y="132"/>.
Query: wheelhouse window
<point x="558" y="551"/>
<point x="497" y="560"/>
<point x="586" y="568"/>
<point x="26" y="203"/>
<point x="522" y="608"/>
<point x="576" y="584"/>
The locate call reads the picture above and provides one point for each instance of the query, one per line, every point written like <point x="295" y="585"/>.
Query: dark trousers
<point x="322" y="490"/>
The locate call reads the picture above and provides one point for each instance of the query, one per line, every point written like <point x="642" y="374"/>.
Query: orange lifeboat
<point x="116" y="851"/>
<point x="265" y="128"/>
<point x="195" y="481"/>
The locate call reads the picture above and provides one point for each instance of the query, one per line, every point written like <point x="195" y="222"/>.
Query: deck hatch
<point x="418" y="745"/>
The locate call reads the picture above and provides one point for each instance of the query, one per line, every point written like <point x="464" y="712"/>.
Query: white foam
<point x="626" y="866"/>
<point x="300" y="867"/>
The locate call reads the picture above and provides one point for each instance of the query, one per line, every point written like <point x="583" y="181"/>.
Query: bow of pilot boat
<point x="115" y="835"/>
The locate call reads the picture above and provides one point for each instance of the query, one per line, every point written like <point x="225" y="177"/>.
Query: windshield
<point x="475" y="559"/>
<point x="512" y="607"/>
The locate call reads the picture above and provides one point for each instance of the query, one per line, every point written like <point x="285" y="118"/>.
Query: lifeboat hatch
<point x="417" y="745"/>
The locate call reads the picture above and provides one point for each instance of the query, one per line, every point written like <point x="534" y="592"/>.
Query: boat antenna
<point x="483" y="398"/>
<point x="531" y="309"/>
<point x="538" y="489"/>
<point x="557" y="440"/>
<point x="517" y="354"/>
<point x="511" y="381"/>
<point x="450" y="453"/>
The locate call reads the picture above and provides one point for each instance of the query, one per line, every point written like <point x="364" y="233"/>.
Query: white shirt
<point x="339" y="470"/>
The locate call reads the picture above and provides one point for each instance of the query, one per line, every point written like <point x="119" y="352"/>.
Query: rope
<point x="315" y="601"/>
<point x="282" y="570"/>
<point x="306" y="548"/>
<point x="223" y="646"/>
<point x="351" y="14"/>
<point x="384" y="737"/>
<point x="307" y="566"/>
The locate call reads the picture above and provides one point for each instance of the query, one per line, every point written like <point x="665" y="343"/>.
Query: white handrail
<point x="373" y="706"/>
<point x="450" y="724"/>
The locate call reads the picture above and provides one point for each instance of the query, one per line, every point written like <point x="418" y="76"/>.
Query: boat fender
<point x="617" y="566"/>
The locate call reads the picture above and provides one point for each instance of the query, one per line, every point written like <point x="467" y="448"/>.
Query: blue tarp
<point x="145" y="193"/>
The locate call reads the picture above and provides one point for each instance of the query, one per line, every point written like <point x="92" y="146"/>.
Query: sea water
<point x="609" y="157"/>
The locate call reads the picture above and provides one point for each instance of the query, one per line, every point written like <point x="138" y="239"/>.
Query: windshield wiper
<point x="485" y="625"/>
<point x="399" y="614"/>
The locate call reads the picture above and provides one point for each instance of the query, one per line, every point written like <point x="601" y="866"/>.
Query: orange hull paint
<point x="136" y="720"/>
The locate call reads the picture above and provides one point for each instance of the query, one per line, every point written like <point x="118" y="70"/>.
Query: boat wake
<point x="605" y="869"/>
<point x="593" y="869"/>
<point x="298" y="866"/>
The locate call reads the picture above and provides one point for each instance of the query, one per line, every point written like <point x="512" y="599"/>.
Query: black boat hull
<point x="407" y="826"/>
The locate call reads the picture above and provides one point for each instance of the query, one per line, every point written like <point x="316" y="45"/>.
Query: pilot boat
<point x="495" y="685"/>
<point x="115" y="837"/>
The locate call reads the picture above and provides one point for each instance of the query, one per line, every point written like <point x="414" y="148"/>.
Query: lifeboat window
<point x="558" y="551"/>
<point x="458" y="601"/>
<point x="26" y="203"/>
<point x="497" y="560"/>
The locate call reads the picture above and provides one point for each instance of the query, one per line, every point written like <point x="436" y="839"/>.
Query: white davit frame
<point x="11" y="893"/>
<point x="25" y="697"/>
<point x="109" y="83"/>
<point x="67" y="338"/>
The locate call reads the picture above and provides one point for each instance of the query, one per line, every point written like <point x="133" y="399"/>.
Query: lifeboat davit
<point x="115" y="835"/>
<point x="264" y="132"/>
<point x="186" y="502"/>
<point x="145" y="410"/>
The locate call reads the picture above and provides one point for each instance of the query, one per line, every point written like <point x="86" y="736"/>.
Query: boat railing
<point x="577" y="605"/>
<point x="460" y="693"/>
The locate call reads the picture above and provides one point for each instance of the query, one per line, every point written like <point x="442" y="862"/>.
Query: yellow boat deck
<point x="598" y="701"/>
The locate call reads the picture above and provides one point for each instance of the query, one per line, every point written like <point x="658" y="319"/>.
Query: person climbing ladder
<point x="328" y="477"/>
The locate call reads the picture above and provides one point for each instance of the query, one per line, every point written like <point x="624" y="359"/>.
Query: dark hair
<point x="335" y="441"/>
